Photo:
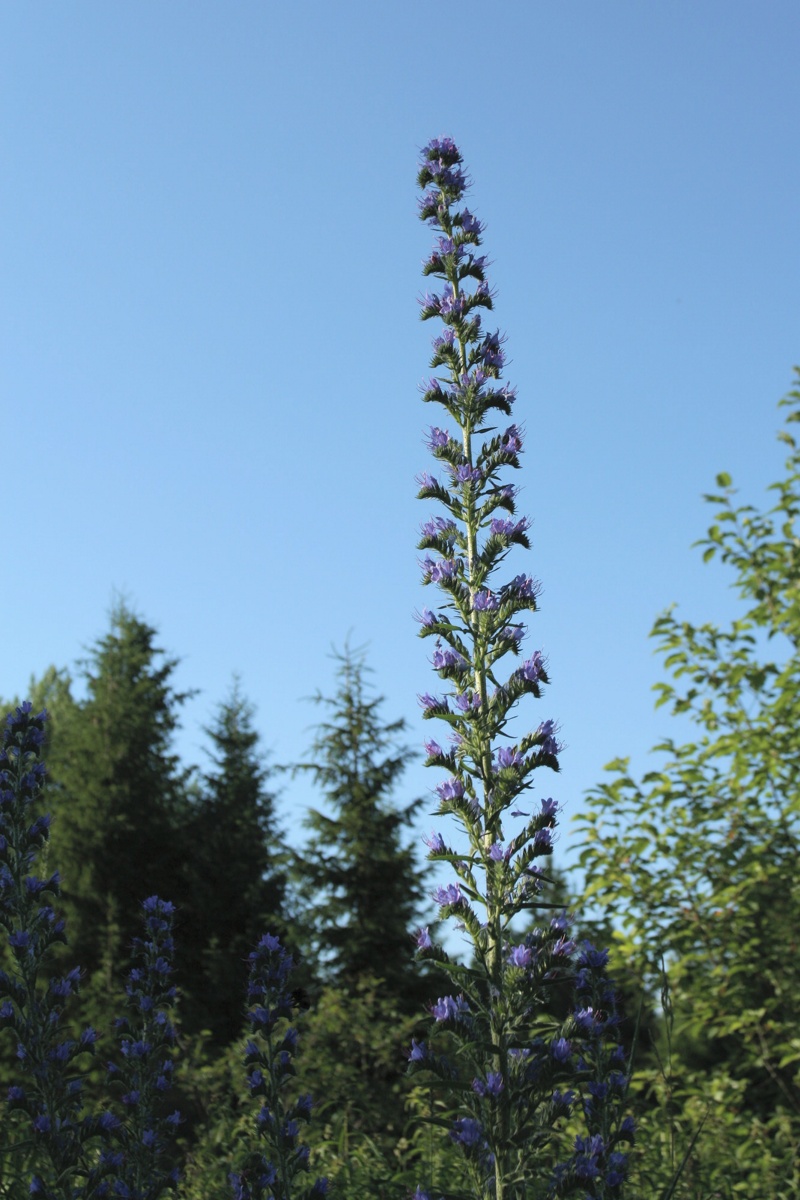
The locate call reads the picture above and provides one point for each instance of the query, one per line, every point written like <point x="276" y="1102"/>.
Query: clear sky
<point x="211" y="344"/>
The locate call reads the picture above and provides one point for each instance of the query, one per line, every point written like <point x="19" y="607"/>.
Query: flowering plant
<point x="276" y="1174"/>
<point x="81" y="1155"/>
<point x="519" y="1070"/>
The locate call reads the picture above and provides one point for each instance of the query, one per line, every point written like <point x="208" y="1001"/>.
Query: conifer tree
<point x="238" y="860"/>
<point x="360" y="881"/>
<point x="118" y="794"/>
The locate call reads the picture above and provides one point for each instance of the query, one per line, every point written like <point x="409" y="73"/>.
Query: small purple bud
<point x="546" y="732"/>
<point x="435" y="842"/>
<point x="560" y="1049"/>
<point x="417" y="1052"/>
<point x="423" y="939"/>
<point x="542" y="840"/>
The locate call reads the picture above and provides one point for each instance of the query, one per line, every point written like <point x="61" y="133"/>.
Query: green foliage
<point x="353" y="1056"/>
<point x="237" y="872"/>
<point x="117" y="794"/>
<point x="698" y="861"/>
<point x="219" y="1118"/>
<point x="359" y="885"/>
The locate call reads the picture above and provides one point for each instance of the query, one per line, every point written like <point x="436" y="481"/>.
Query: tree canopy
<point x="697" y="862"/>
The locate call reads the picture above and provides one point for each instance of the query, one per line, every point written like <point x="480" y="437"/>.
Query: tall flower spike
<point x="144" y="1070"/>
<point x="277" y="1173"/>
<point x="516" y="1061"/>
<point x="51" y="1099"/>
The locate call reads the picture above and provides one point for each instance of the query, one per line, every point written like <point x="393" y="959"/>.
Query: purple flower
<point x="438" y="527"/>
<point x="512" y="440"/>
<point x="450" y="895"/>
<point x="521" y="956"/>
<point x="628" y="1128"/>
<point x="616" y="1171"/>
<point x="474" y="380"/>
<point x="560" y="1050"/>
<point x="444" y="148"/>
<point x="428" y="204"/>
<point x="439" y="570"/>
<point x="468" y="702"/>
<point x="508" y="756"/>
<point x="444" y="658"/>
<point x="418" y="1051"/>
<point x="449" y="304"/>
<point x="445" y="341"/>
<point x="485" y="602"/>
<point x="449" y="1008"/>
<point x="427" y="482"/>
<point x="492" y="1087"/>
<point x="587" y="1151"/>
<point x="429" y="702"/>
<point x="490" y="349"/>
<point x="546" y="732"/>
<point x="504" y="528"/>
<point x="426" y="618"/>
<point x="591" y="957"/>
<point x="542" y="840"/>
<point x="469" y="223"/>
<point x="423" y="939"/>
<point x="467" y="1131"/>
<point x="466" y="474"/>
<point x="549" y="807"/>
<point x="435" y="842"/>
<point x="450" y="789"/>
<point x="437" y="438"/>
<point x="563" y="1099"/>
<point x="524" y="587"/>
<point x="433" y="749"/>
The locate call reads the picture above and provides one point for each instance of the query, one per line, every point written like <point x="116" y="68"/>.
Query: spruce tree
<point x="118" y="795"/>
<point x="360" y="881"/>
<point x="238" y="856"/>
<point x="359" y="888"/>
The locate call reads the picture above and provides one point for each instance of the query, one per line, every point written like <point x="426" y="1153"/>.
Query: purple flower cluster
<point x="144" y="1070"/>
<point x="506" y="1099"/>
<point x="52" y="1096"/>
<point x="450" y="1008"/>
<point x="268" y="1059"/>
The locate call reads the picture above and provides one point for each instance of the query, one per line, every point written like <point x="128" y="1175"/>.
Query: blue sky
<point x="211" y="345"/>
